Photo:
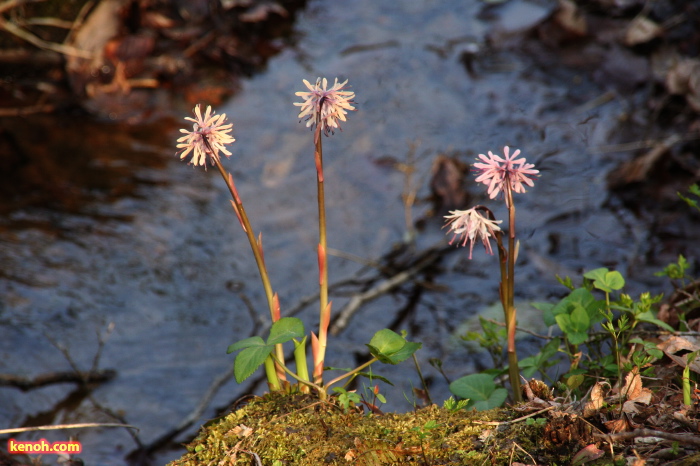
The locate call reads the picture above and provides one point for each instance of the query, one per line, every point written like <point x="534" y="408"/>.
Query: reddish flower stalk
<point x="323" y="108"/>
<point x="506" y="175"/>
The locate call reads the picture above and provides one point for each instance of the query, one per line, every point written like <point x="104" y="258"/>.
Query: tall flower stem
<point x="256" y="246"/>
<point x="508" y="303"/>
<point x="324" y="108"/>
<point x="507" y="174"/>
<point x="324" y="314"/>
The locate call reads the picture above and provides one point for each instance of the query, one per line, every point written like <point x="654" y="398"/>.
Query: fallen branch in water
<point x="427" y="258"/>
<point x="84" y="425"/>
<point x="27" y="383"/>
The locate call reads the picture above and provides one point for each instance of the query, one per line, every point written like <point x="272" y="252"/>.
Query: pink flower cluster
<point x="471" y="225"/>
<point x="209" y="136"/>
<point x="507" y="172"/>
<point x="325" y="107"/>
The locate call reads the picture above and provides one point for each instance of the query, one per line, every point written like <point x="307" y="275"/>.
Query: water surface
<point x="162" y="257"/>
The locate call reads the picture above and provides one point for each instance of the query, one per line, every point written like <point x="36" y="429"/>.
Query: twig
<point x="26" y="384"/>
<point x="40" y="43"/>
<point x="681" y="438"/>
<point x="64" y="426"/>
<point x="188" y="420"/>
<point x="596" y="102"/>
<point x="383" y="287"/>
<point x="255" y="455"/>
<point x="78" y="21"/>
<point x="520" y="329"/>
<point x="10" y="4"/>
<point x="525" y="451"/>
<point x="513" y="421"/>
<point x="645" y="144"/>
<point x="53" y="22"/>
<point x="101" y="340"/>
<point x="29" y="110"/>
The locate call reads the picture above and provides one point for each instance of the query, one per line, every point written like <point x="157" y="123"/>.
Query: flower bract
<point x="325" y="107"/>
<point x="471" y="226"/>
<point x="208" y="137"/>
<point x="507" y="172"/>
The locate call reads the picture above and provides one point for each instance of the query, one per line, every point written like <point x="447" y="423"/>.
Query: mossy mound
<point x="298" y="429"/>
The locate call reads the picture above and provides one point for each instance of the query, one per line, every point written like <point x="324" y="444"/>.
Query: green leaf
<point x="547" y="314"/>
<point x="580" y="322"/>
<point x="285" y="329"/>
<point x="694" y="189"/>
<point x="614" y="280"/>
<point x="247" y="343"/>
<point x="650" y="318"/>
<point x="404" y="353"/>
<point x="481" y="390"/>
<point x="390" y="347"/>
<point x="574" y="381"/>
<point x="248" y="361"/>
<point x="372" y="376"/>
<point x="605" y="280"/>
<point x="580" y="296"/>
<point x="387" y="342"/>
<point x="575" y="328"/>
<point x="566" y="282"/>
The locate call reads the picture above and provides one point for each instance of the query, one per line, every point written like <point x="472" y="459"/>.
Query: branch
<point x="42" y="44"/>
<point x="26" y="383"/>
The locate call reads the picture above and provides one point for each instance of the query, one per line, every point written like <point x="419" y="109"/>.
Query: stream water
<point x="154" y="248"/>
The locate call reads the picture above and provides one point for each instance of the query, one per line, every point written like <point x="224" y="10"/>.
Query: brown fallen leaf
<point x="447" y="184"/>
<point x="587" y="454"/>
<point x="570" y="19"/>
<point x="633" y="385"/>
<point x="616" y="426"/>
<point x="673" y="344"/>
<point x="596" y="402"/>
<point x="642" y="167"/>
<point x="684" y="79"/>
<point x="642" y="30"/>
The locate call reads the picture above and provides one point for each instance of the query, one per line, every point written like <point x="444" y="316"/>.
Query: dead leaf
<point x="684" y="79"/>
<point x="633" y="385"/>
<point x="674" y="344"/>
<point x="642" y="167"/>
<point x="262" y="11"/>
<point x="617" y="425"/>
<point x="570" y="18"/>
<point x="540" y="390"/>
<point x="634" y="392"/>
<point x="642" y="30"/>
<point x="679" y="76"/>
<point x="669" y="315"/>
<point x="593" y="406"/>
<point x="644" y="397"/>
<point x="588" y="453"/>
<point x="447" y="183"/>
<point x="241" y="430"/>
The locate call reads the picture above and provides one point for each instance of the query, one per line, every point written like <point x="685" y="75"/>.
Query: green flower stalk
<point x="502" y="175"/>
<point x="323" y="109"/>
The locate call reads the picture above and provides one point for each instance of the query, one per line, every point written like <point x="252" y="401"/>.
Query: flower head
<point x="325" y="107"/>
<point x="209" y="135"/>
<point x="470" y="225"/>
<point x="499" y="173"/>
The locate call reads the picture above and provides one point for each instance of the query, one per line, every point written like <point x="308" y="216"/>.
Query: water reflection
<point x="128" y="234"/>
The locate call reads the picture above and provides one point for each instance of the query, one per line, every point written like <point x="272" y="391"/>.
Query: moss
<point x="285" y="429"/>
